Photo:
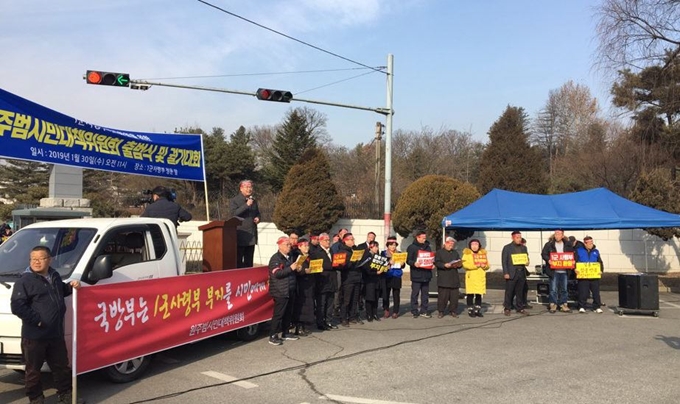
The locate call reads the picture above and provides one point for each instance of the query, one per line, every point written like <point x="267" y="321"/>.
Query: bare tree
<point x="637" y="33"/>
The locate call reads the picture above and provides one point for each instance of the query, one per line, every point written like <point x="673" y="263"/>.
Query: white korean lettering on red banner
<point x="122" y="321"/>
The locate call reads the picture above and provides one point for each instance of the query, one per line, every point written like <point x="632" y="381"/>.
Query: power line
<point x="335" y="82"/>
<point x="263" y="73"/>
<point x="288" y="36"/>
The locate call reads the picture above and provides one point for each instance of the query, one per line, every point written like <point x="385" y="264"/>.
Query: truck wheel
<point x="127" y="371"/>
<point x="248" y="333"/>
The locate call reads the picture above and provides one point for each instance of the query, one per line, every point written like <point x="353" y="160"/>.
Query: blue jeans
<point x="558" y="288"/>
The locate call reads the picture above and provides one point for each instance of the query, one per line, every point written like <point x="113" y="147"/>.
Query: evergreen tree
<point x="309" y="201"/>
<point x="24" y="182"/>
<point x="425" y="202"/>
<point x="241" y="158"/>
<point x="509" y="162"/>
<point x="292" y="140"/>
<point x="658" y="190"/>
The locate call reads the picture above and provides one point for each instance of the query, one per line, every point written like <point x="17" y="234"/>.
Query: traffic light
<point x="107" y="78"/>
<point x="268" y="94"/>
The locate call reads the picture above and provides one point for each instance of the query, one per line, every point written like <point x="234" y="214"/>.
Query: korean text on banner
<point x="399" y="258"/>
<point x="425" y="259"/>
<point x="339" y="259"/>
<point x="520" y="259"/>
<point x="316" y="266"/>
<point x="29" y="131"/>
<point x="480" y="260"/>
<point x="588" y="270"/>
<point x="563" y="260"/>
<point x="121" y="321"/>
<point x="357" y="255"/>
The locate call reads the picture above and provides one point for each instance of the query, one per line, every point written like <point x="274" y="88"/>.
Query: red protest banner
<point x="122" y="321"/>
<point x="339" y="259"/>
<point x="425" y="259"/>
<point x="563" y="260"/>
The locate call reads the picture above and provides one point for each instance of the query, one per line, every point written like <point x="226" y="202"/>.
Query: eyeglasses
<point x="39" y="259"/>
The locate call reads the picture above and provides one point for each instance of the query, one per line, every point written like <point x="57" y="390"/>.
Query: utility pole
<point x="378" y="142"/>
<point x="388" y="147"/>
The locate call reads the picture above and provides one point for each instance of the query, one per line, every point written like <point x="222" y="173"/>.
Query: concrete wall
<point x="622" y="250"/>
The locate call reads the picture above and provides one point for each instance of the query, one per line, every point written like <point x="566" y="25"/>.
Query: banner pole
<point x="74" y="344"/>
<point x="205" y="183"/>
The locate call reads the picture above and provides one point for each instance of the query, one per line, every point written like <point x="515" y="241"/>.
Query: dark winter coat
<point x="164" y="209"/>
<point x="246" y="233"/>
<point x="447" y="277"/>
<point x="506" y="258"/>
<point x="548" y="248"/>
<point x="327" y="281"/>
<point x="281" y="276"/>
<point x="35" y="300"/>
<point x="418" y="274"/>
<point x="351" y="272"/>
<point x="394" y="274"/>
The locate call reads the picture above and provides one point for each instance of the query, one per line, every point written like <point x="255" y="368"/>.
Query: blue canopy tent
<point x="593" y="209"/>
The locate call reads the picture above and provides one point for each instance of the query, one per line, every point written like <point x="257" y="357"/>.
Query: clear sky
<point x="457" y="63"/>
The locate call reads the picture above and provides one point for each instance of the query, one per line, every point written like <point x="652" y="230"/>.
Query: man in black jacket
<point x="244" y="206"/>
<point x="447" y="260"/>
<point x="327" y="284"/>
<point x="282" y="273"/>
<point x="515" y="259"/>
<point x="38" y="300"/>
<point x="163" y="208"/>
<point x="421" y="273"/>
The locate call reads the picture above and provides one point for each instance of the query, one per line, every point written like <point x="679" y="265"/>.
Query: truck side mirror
<point x="102" y="269"/>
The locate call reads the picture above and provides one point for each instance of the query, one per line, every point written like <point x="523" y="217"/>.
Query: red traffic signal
<point x="268" y="94"/>
<point x="107" y="78"/>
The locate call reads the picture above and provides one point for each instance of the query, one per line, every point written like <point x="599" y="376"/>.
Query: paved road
<point x="542" y="358"/>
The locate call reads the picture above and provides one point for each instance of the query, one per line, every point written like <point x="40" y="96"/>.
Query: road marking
<point x="227" y="378"/>
<point x="670" y="304"/>
<point x="357" y="400"/>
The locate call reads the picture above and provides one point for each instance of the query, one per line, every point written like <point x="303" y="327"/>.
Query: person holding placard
<point x="326" y="285"/>
<point x="447" y="260"/>
<point x="476" y="263"/>
<point x="282" y="276"/>
<point x="393" y="277"/>
<point x="558" y="254"/>
<point x="515" y="259"/>
<point x="589" y="268"/>
<point x="350" y="276"/>
<point x="303" y="311"/>
<point x="373" y="265"/>
<point x="420" y="259"/>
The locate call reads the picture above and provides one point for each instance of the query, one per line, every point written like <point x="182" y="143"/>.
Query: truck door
<point x="132" y="252"/>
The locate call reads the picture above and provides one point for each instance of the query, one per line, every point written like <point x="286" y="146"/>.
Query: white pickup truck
<point x="94" y="251"/>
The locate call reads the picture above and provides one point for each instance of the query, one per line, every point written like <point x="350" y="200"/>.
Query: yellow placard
<point x="316" y="266"/>
<point x="480" y="260"/>
<point x="357" y="255"/>
<point x="520" y="259"/>
<point x="588" y="270"/>
<point x="399" y="258"/>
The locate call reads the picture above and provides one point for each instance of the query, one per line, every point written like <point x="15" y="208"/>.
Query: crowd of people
<point x="325" y="281"/>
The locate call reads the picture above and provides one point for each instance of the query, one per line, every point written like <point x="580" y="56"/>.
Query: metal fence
<point x="192" y="255"/>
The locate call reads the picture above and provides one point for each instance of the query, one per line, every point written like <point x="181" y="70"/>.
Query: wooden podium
<point x="219" y="244"/>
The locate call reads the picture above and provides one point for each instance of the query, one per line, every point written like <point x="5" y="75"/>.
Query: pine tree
<point x="309" y="201"/>
<point x="241" y="158"/>
<point x="292" y="140"/>
<point x="509" y="162"/>
<point x="25" y="182"/>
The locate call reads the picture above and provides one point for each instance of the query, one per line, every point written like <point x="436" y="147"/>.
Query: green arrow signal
<point x="122" y="80"/>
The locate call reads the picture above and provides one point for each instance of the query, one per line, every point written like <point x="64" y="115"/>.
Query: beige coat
<point x="475" y="272"/>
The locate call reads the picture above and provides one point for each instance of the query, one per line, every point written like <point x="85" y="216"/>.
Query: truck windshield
<point x="67" y="246"/>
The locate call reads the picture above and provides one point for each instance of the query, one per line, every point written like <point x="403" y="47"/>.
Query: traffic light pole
<point x="388" y="147"/>
<point x="388" y="112"/>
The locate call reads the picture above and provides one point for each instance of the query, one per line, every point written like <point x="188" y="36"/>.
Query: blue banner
<point x="29" y="131"/>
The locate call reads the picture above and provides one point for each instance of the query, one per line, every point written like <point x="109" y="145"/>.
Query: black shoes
<point x="331" y="326"/>
<point x="275" y="340"/>
<point x="289" y="337"/>
<point x="376" y="317"/>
